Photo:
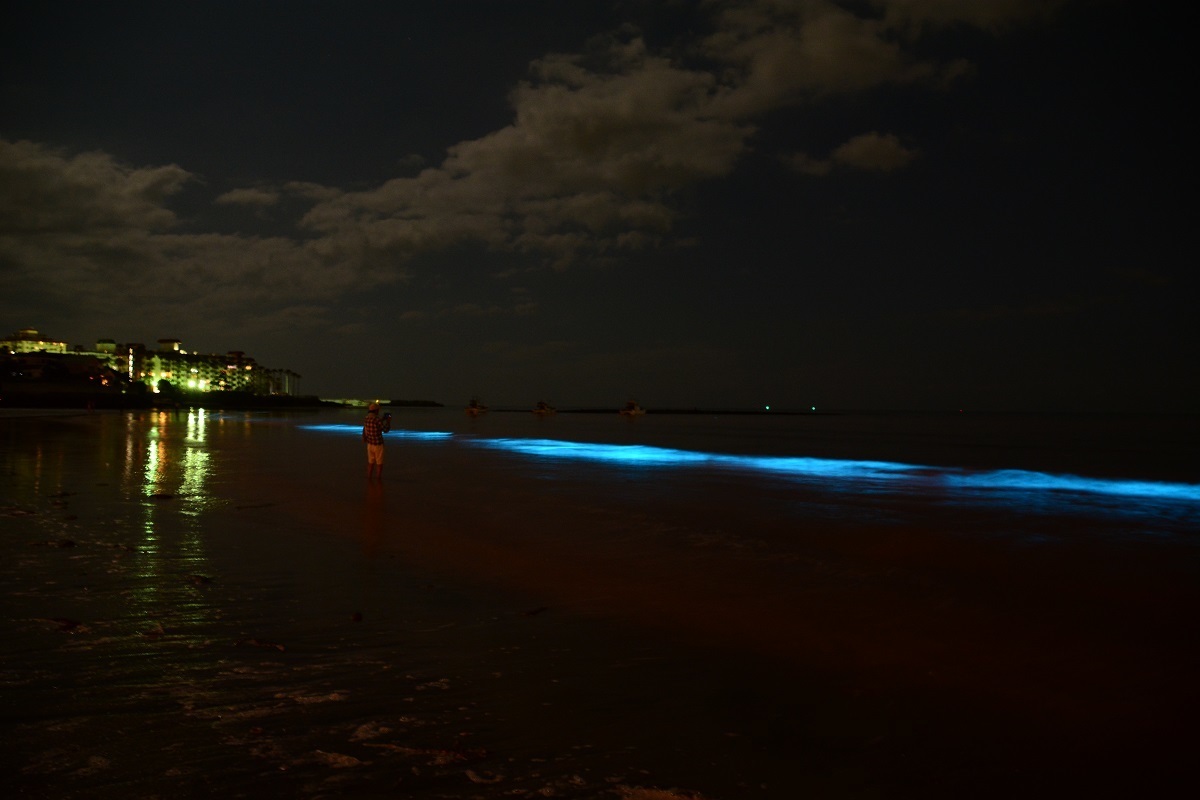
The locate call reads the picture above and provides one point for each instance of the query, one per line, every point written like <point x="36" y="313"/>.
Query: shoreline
<point x="202" y="610"/>
<point x="299" y="656"/>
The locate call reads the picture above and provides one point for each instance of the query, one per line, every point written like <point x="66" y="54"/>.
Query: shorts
<point x="375" y="454"/>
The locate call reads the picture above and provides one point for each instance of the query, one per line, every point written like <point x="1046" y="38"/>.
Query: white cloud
<point x="599" y="146"/>
<point x="70" y="222"/>
<point x="596" y="148"/>
<point x="43" y="190"/>
<point x="311" y="191"/>
<point x="602" y="141"/>
<point x="869" y="151"/>
<point x="781" y="53"/>
<point x="249" y="197"/>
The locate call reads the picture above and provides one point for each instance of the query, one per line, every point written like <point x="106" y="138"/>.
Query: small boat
<point x="543" y="408"/>
<point x="632" y="409"/>
<point x="476" y="407"/>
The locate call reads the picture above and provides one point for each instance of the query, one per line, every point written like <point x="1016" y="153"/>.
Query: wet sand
<point x="397" y="639"/>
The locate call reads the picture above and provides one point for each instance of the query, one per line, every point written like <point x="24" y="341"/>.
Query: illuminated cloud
<point x="597" y="146"/>
<point x="248" y="197"/>
<point x="783" y="53"/>
<point x="602" y="140"/>
<point x="86" y="220"/>
<point x="600" y="145"/>
<point x="870" y="151"/>
<point x="43" y="190"/>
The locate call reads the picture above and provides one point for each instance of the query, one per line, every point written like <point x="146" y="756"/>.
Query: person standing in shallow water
<point x="373" y="430"/>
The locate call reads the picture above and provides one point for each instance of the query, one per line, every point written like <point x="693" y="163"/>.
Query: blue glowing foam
<point x="394" y="433"/>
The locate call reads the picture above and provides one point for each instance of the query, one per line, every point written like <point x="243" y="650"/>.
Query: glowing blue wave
<point x="1007" y="481"/>
<point x="866" y="471"/>
<point x="647" y="456"/>
<point x="632" y="454"/>
<point x="1023" y="480"/>
<point x="392" y="434"/>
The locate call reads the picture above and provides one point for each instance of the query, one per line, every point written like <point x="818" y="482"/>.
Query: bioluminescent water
<point x="1005" y="485"/>
<point x="394" y="433"/>
<point x="767" y="607"/>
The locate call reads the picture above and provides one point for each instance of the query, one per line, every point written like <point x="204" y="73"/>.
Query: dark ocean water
<point x="584" y="605"/>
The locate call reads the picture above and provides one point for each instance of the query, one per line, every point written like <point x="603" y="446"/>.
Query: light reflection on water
<point x="177" y="458"/>
<point x="176" y="471"/>
<point x="170" y="654"/>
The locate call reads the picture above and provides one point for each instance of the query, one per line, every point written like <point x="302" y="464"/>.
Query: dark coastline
<point x="717" y="412"/>
<point x="225" y="401"/>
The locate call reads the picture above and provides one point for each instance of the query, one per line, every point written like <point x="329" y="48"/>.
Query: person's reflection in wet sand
<point x="374" y="518"/>
<point x="374" y="509"/>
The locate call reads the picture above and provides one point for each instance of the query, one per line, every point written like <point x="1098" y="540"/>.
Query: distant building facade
<point x="170" y="362"/>
<point x="29" y="340"/>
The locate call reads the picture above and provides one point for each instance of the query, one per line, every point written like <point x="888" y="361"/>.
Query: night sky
<point x="880" y="204"/>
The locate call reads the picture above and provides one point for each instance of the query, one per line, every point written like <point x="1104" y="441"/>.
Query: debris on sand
<point x="437" y="757"/>
<point x="483" y="777"/>
<point x="337" y="760"/>
<point x="641" y="793"/>
<point x="67" y="625"/>
<point x="17" y="511"/>
<point x="259" y="643"/>
<point x="369" y="730"/>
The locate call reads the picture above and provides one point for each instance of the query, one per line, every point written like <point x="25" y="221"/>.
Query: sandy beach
<point x="197" y="605"/>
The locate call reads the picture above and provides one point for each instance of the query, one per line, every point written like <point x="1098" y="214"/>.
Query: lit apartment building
<point x="201" y="372"/>
<point x="29" y="340"/>
<point x="205" y="372"/>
